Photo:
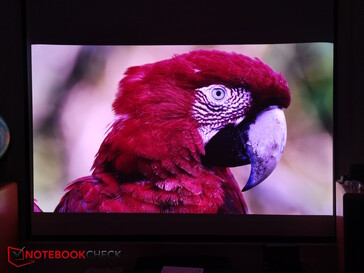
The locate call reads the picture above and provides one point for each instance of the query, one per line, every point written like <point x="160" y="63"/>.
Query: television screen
<point x="142" y="129"/>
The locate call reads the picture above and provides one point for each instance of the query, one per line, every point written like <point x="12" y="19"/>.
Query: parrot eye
<point x="218" y="93"/>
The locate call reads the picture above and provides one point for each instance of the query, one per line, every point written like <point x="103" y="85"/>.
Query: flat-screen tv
<point x="207" y="138"/>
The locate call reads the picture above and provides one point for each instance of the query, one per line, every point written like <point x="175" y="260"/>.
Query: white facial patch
<point x="217" y="106"/>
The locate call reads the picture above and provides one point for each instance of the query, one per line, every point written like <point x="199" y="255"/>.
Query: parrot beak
<point x="265" y="141"/>
<point x="258" y="140"/>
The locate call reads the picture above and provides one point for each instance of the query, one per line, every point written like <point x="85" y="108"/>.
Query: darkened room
<point x="200" y="136"/>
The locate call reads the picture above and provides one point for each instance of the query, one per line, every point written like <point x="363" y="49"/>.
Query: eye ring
<point x="218" y="93"/>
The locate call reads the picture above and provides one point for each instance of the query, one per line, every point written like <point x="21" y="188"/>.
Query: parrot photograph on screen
<point x="179" y="125"/>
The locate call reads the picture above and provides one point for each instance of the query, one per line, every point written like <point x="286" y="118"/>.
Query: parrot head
<point x="204" y="108"/>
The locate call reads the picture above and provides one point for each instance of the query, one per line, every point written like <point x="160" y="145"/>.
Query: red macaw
<point x="179" y="124"/>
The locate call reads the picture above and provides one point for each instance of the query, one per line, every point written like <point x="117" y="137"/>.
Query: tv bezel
<point x="176" y="227"/>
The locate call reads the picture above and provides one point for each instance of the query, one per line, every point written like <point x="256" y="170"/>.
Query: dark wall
<point x="13" y="90"/>
<point x="350" y="96"/>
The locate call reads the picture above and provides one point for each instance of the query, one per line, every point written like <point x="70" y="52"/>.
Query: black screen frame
<point x="139" y="23"/>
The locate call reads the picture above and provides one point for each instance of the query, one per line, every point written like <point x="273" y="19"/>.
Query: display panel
<point x="74" y="87"/>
